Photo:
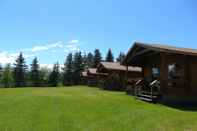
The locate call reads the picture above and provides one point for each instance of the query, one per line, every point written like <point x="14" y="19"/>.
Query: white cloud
<point x="50" y="66"/>
<point x="73" y="41"/>
<point x="47" y="47"/>
<point x="57" y="47"/>
<point x="6" y="58"/>
<point x="72" y="46"/>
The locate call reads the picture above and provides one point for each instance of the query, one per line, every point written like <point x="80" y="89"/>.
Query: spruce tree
<point x="97" y="58"/>
<point x="67" y="70"/>
<point x="78" y="67"/>
<point x="109" y="57"/>
<point x="120" y="57"/>
<point x="1" y="72"/>
<point x="7" y="77"/>
<point x="90" y="60"/>
<point x="54" y="77"/>
<point x="35" y="73"/>
<point x="20" y="71"/>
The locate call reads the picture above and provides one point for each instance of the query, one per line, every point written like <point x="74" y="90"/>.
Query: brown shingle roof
<point x="117" y="66"/>
<point x="84" y="74"/>
<point x="92" y="70"/>
<point x="168" y="48"/>
<point x="161" y="48"/>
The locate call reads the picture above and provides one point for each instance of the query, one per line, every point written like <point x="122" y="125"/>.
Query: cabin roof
<point x="160" y="48"/>
<point x="84" y="74"/>
<point x="117" y="66"/>
<point x="92" y="70"/>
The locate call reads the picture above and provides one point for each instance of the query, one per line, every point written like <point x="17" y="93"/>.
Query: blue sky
<point x="49" y="29"/>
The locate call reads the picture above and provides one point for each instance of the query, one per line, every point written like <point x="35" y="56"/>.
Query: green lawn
<point x="86" y="109"/>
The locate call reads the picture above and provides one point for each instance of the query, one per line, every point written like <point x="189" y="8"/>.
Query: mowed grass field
<point x="81" y="108"/>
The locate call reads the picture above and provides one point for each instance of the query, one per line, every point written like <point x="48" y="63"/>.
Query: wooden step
<point x="147" y="96"/>
<point x="145" y="99"/>
<point x="149" y="93"/>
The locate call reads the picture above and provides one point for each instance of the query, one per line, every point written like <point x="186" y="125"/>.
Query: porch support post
<point x="187" y="78"/>
<point x="126" y="76"/>
<point x="163" y="73"/>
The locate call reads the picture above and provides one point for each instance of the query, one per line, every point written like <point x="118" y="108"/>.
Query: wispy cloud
<point x="6" y="57"/>
<point x="60" y="46"/>
<point x="50" y="66"/>
<point x="74" y="42"/>
<point x="39" y="48"/>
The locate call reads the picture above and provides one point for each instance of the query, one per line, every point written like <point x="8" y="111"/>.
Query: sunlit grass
<point x="81" y="108"/>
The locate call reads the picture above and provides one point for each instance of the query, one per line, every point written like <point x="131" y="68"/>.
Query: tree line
<point x="19" y="75"/>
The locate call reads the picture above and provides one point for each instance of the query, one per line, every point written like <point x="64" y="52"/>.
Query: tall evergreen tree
<point x="120" y="57"/>
<point x="7" y="77"/>
<point x="97" y="58"/>
<point x="78" y="67"/>
<point x="1" y="72"/>
<point x="55" y="75"/>
<point x="90" y="60"/>
<point x="68" y="70"/>
<point x="20" y="71"/>
<point x="35" y="73"/>
<point x="84" y="61"/>
<point x="109" y="57"/>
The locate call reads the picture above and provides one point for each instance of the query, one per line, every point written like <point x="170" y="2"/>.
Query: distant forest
<point x="20" y="75"/>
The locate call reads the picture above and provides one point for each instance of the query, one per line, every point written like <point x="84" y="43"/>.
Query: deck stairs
<point x="149" y="95"/>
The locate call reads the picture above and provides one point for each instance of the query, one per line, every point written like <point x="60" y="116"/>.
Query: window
<point x="155" y="72"/>
<point x="174" y="71"/>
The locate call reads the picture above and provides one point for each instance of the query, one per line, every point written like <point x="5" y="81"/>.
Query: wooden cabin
<point x="169" y="73"/>
<point x="116" y="78"/>
<point x="91" y="76"/>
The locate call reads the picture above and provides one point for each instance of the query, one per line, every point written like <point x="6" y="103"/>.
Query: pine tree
<point x="90" y="60"/>
<point x="68" y="70"/>
<point x="1" y="72"/>
<point x="35" y="73"/>
<point x="120" y="57"/>
<point x="7" y="77"/>
<point x="109" y="57"/>
<point x="97" y="58"/>
<point x="54" y="77"/>
<point x="78" y="67"/>
<point x="20" y="71"/>
<point x="84" y="61"/>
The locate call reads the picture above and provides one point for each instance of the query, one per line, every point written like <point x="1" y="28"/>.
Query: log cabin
<point x="91" y="76"/>
<point x="169" y="73"/>
<point x="116" y="78"/>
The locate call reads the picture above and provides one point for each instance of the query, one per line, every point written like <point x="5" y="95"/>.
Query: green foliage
<point x="68" y="70"/>
<point x="90" y="60"/>
<point x="109" y="57"/>
<point x="20" y="71"/>
<point x="1" y="71"/>
<point x="120" y="57"/>
<point x="44" y="76"/>
<point x="97" y="58"/>
<point x="7" y="77"/>
<point x="35" y="73"/>
<point x="78" y="67"/>
<point x="54" y="77"/>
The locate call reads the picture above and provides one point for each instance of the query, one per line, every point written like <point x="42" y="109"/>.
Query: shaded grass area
<point x="81" y="108"/>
